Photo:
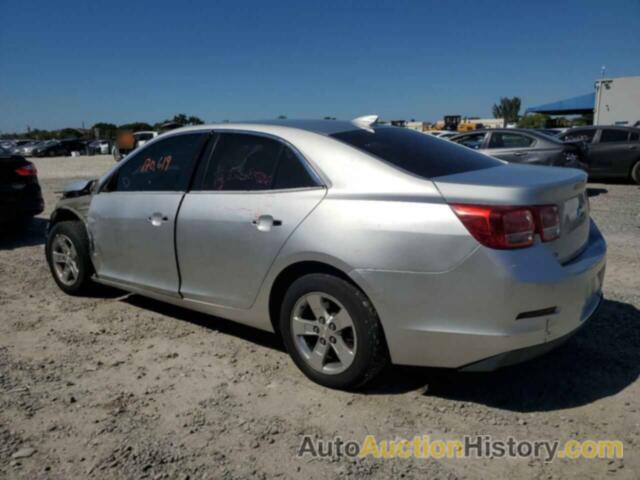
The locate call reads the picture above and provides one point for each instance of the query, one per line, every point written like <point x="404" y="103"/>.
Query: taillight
<point x="509" y="227"/>
<point x="27" y="171"/>
<point x="548" y="222"/>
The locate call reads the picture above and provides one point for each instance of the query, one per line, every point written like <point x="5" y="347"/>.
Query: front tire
<point x="67" y="252"/>
<point x="635" y="172"/>
<point x="332" y="332"/>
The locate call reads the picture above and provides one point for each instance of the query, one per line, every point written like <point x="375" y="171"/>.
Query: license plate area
<point x="574" y="212"/>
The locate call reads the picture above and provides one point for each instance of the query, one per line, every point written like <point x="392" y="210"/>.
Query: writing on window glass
<point x="160" y="165"/>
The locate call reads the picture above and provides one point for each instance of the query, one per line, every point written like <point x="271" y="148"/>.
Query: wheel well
<point x="63" y="215"/>
<point x="290" y="275"/>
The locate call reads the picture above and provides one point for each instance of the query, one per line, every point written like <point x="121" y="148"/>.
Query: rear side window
<point x="510" y="140"/>
<point x="610" y="135"/>
<point x="245" y="162"/>
<point x="165" y="165"/>
<point x="291" y="172"/>
<point x="415" y="152"/>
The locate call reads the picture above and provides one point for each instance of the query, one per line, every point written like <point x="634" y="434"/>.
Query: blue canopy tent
<point x="583" y="104"/>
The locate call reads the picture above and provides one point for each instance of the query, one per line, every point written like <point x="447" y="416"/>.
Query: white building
<point x="617" y="101"/>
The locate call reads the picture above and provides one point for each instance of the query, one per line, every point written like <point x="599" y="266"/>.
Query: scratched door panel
<point x="226" y="241"/>
<point x="133" y="238"/>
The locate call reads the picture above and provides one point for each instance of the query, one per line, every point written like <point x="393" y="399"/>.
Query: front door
<point x="611" y="154"/>
<point x="247" y="200"/>
<point x="132" y="219"/>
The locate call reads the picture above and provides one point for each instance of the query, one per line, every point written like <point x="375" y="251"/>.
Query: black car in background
<point x="49" y="148"/>
<point x="20" y="193"/>
<point x="60" y="148"/>
<point x="524" y="146"/>
<point x="613" y="152"/>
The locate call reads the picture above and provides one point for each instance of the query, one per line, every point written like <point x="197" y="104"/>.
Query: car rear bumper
<point x="523" y="354"/>
<point x="498" y="307"/>
<point x="24" y="203"/>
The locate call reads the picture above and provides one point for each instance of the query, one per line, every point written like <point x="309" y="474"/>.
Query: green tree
<point x="537" y="120"/>
<point x="180" y="119"/>
<point x="69" y="133"/>
<point x="135" y="126"/>
<point x="508" y="109"/>
<point x="193" y="120"/>
<point x="105" y="130"/>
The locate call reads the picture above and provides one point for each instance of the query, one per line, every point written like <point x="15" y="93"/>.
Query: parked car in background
<point x="21" y="142"/>
<point x="613" y="152"/>
<point x="49" y="148"/>
<point x="446" y="134"/>
<point x="99" y="147"/>
<point x="551" y="131"/>
<point x="20" y="193"/>
<point x="74" y="145"/>
<point x="359" y="244"/>
<point x="524" y="146"/>
<point x="26" y="149"/>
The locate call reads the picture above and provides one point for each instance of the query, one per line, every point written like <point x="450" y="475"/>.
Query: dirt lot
<point x="123" y="387"/>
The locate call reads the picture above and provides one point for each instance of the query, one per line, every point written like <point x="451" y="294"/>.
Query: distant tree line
<point x="102" y="130"/>
<point x="509" y="110"/>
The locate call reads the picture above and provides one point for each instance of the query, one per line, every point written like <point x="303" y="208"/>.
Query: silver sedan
<point x="360" y="244"/>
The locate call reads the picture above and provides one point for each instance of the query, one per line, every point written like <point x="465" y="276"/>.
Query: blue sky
<point x="67" y="62"/>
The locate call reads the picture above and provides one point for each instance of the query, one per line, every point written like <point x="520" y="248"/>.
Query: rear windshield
<point x="415" y="152"/>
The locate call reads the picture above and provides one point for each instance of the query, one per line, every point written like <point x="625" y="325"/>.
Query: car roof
<point x="595" y="127"/>
<point x="322" y="127"/>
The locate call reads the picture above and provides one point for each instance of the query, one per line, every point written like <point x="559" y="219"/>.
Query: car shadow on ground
<point x="600" y="361"/>
<point x="28" y="234"/>
<point x="594" y="192"/>
<point x="250" y="334"/>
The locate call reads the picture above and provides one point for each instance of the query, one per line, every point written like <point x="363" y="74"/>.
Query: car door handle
<point x="265" y="222"/>
<point x="157" y="219"/>
<point x="633" y="147"/>
<point x="520" y="154"/>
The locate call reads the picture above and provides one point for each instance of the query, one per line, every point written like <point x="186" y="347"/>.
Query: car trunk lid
<point x="525" y="185"/>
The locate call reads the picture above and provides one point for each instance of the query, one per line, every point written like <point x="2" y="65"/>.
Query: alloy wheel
<point x="323" y="333"/>
<point x="64" y="258"/>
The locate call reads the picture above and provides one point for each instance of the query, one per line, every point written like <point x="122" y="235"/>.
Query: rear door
<point x="247" y="199"/>
<point x="132" y="218"/>
<point x="513" y="147"/>
<point x="612" y="153"/>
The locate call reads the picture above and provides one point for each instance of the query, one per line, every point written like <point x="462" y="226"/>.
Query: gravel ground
<point x="119" y="386"/>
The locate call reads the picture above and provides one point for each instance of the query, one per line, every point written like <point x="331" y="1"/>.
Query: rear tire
<point x="332" y="332"/>
<point x="635" y="172"/>
<point x="67" y="252"/>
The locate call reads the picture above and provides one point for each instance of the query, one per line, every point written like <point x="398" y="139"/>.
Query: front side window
<point x="510" y="140"/>
<point x="246" y="162"/>
<point x="610" y="135"/>
<point x="473" y="140"/>
<point x="417" y="153"/>
<point x="162" y="166"/>
<point x="579" y="135"/>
